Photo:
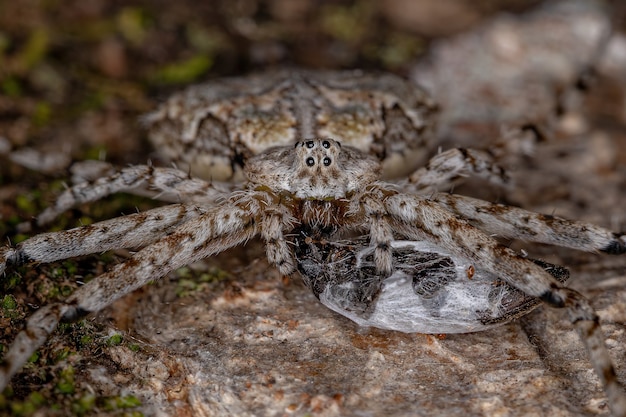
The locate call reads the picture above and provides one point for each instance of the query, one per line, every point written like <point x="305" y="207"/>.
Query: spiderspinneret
<point x="302" y="199"/>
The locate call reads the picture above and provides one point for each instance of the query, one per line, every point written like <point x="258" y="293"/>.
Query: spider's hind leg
<point x="586" y="321"/>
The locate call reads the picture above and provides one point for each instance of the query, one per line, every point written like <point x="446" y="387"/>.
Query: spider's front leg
<point x="419" y="218"/>
<point x="512" y="222"/>
<point x="165" y="184"/>
<point x="207" y="234"/>
<point x="274" y="222"/>
<point x="131" y="232"/>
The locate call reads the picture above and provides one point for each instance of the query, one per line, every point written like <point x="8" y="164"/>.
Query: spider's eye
<point x="310" y="161"/>
<point x="327" y="161"/>
<point x="326" y="144"/>
<point x="310" y="144"/>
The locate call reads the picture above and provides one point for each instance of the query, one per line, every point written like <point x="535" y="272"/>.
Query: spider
<point x="298" y="199"/>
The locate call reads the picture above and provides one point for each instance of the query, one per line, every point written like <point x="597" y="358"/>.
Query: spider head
<point x="313" y="169"/>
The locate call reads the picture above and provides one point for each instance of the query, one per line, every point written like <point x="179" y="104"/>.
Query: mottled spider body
<point x="211" y="129"/>
<point x="298" y="199"/>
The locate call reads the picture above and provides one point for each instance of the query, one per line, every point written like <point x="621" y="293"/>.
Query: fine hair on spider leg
<point x="315" y="191"/>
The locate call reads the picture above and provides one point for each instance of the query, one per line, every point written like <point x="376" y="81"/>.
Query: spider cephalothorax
<point x="301" y="199"/>
<point x="314" y="169"/>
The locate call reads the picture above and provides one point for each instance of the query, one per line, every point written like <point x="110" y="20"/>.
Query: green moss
<point x="128" y="401"/>
<point x="5" y="42"/>
<point x="86" y="340"/>
<point x="57" y="272"/>
<point x="65" y="387"/>
<point x="65" y="384"/>
<point x="35" y="49"/>
<point x="205" y="39"/>
<point x="215" y="275"/>
<point x="67" y="268"/>
<point x="84" y="404"/>
<point x="93" y="101"/>
<point x="132" y="22"/>
<point x="11" y="87"/>
<point x="347" y="23"/>
<point x="26" y="203"/>
<point x="34" y="357"/>
<point x="14" y="220"/>
<point x="43" y="113"/>
<point x="62" y="354"/>
<point x="115" y="340"/>
<point x="184" y="272"/>
<point x="397" y="50"/>
<point x="19" y="238"/>
<point x="10" y="307"/>
<point x="9" y="302"/>
<point x="191" y="282"/>
<point x="185" y="71"/>
<point x="36" y="398"/>
<point x="64" y="327"/>
<point x="96" y="153"/>
<point x="10" y="281"/>
<point x="116" y="403"/>
<point x="27" y="407"/>
<point x="71" y="267"/>
<point x="185" y="287"/>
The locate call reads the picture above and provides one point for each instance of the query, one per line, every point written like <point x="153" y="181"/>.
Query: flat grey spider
<point x="298" y="199"/>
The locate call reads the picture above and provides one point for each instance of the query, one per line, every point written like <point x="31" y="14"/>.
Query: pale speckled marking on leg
<point x="165" y="184"/>
<point x="450" y="167"/>
<point x="133" y="231"/>
<point x="209" y="233"/>
<point x="38" y="327"/>
<point x="381" y="233"/>
<point x="513" y="222"/>
<point x="277" y="249"/>
<point x="414" y="216"/>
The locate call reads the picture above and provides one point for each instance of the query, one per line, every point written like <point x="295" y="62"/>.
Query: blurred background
<point x="85" y="70"/>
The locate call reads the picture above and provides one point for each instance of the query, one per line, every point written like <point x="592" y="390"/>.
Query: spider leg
<point x="513" y="222"/>
<point x="208" y="234"/>
<point x="166" y="184"/>
<point x="276" y="247"/>
<point x="419" y="218"/>
<point x="132" y="231"/>
<point x="448" y="168"/>
<point x="35" y="159"/>
<point x="381" y="234"/>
